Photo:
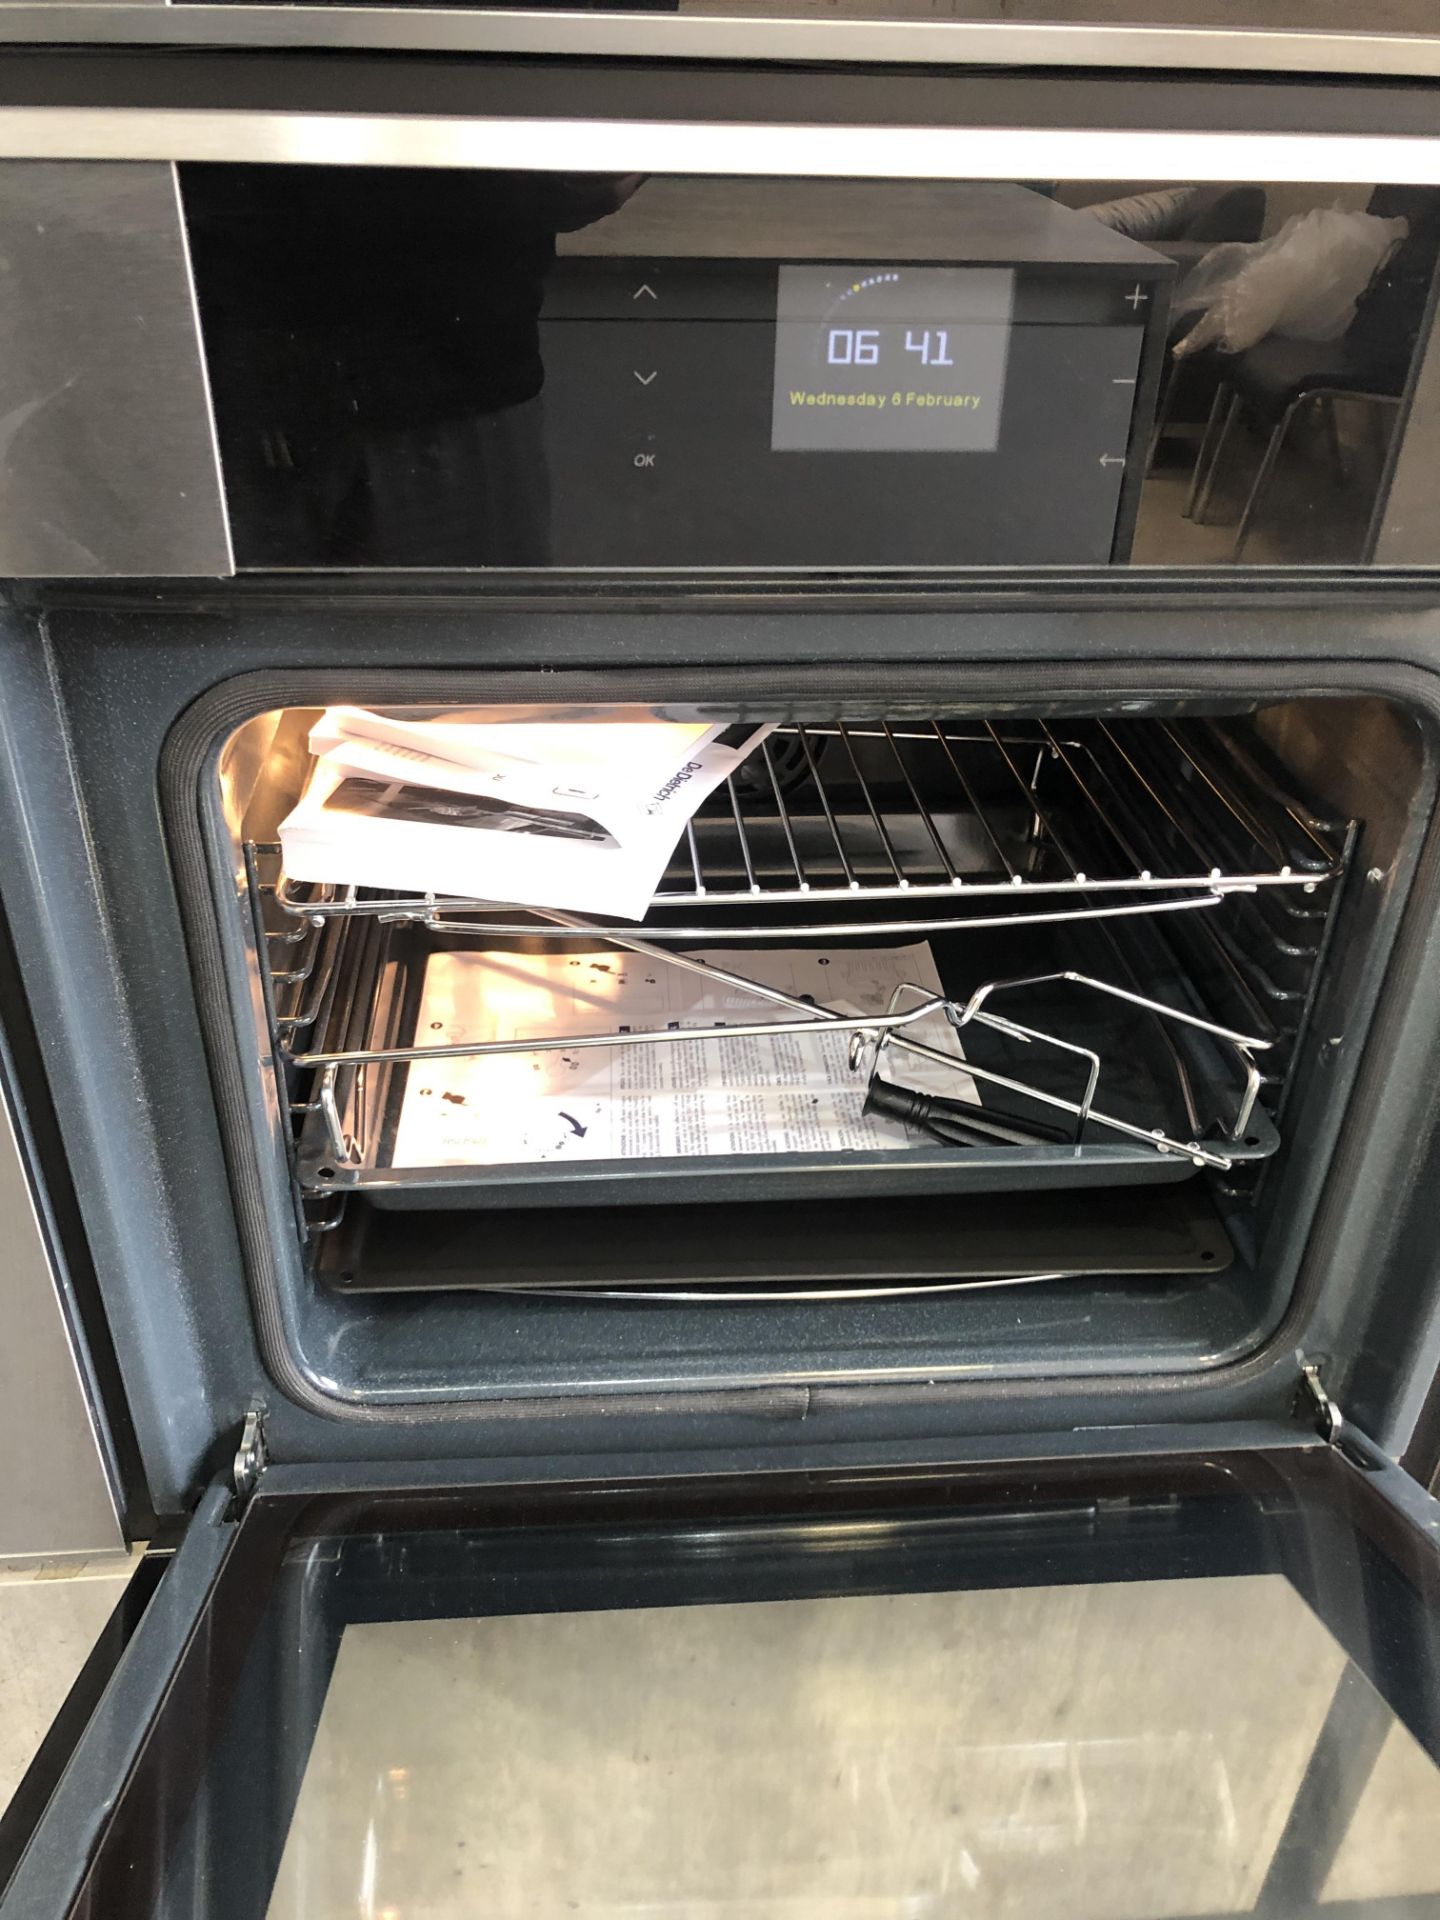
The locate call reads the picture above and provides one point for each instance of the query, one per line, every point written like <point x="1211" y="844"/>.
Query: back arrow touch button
<point x="643" y="378"/>
<point x="1112" y="459"/>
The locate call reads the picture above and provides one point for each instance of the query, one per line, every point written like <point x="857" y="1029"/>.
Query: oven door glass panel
<point x="1143" y="1691"/>
<point x="445" y="369"/>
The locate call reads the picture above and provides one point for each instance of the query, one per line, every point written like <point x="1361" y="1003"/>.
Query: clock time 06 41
<point x="860" y="346"/>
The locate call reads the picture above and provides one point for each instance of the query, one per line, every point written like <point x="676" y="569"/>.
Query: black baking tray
<point x="1141" y="1082"/>
<point x="892" y="1240"/>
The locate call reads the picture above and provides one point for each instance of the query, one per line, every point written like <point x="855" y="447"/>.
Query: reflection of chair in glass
<point x="1273" y="382"/>
<point x="1206" y="217"/>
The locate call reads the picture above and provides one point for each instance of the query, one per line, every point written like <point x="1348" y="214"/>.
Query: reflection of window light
<point x="624" y="146"/>
<point x="982" y="153"/>
<point x="1049" y="1796"/>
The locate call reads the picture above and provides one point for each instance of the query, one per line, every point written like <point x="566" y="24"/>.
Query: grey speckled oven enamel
<point x="109" y="862"/>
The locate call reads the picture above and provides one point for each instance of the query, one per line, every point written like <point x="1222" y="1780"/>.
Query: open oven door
<point x="1139" y="1679"/>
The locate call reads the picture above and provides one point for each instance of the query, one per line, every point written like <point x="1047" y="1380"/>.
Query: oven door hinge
<point x="250" y="1456"/>
<point x="1313" y="1400"/>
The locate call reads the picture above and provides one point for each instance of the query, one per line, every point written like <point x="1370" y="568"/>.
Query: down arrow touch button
<point x="643" y="378"/>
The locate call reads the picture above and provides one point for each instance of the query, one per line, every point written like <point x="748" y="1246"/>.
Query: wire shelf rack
<point x="888" y="826"/>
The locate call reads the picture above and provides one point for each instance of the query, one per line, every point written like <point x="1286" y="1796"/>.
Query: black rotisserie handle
<point x="956" y="1122"/>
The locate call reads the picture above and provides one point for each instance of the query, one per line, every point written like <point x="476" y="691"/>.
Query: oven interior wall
<point x="1355" y="758"/>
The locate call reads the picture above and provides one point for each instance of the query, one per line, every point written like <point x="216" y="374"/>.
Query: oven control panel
<point x="536" y="370"/>
<point x="732" y="413"/>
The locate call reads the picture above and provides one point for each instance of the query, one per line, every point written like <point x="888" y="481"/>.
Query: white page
<point x="635" y="752"/>
<point x="750" y="1094"/>
<point x="384" y="814"/>
<point x="622" y="776"/>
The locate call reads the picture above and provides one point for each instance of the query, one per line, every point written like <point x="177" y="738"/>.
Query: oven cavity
<point x="1017" y="963"/>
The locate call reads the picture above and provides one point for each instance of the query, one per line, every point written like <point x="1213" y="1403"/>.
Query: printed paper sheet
<point x="583" y="815"/>
<point x="751" y="1094"/>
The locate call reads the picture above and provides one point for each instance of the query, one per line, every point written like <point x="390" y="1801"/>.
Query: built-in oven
<point x="980" y="1171"/>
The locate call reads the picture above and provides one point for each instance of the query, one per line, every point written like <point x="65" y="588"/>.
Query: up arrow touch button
<point x="644" y="292"/>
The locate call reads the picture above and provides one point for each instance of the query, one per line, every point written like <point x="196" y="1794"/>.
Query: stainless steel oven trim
<point x="63" y="1499"/>
<point x="698" y="37"/>
<point x="568" y="144"/>
<point x="111" y="463"/>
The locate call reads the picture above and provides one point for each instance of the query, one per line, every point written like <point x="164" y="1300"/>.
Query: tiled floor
<point x="50" y="1614"/>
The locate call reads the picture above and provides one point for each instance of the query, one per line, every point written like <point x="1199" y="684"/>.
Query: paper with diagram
<point x="572" y="814"/>
<point x="784" y="1093"/>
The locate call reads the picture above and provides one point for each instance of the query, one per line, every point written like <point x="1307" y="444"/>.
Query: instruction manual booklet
<point x="581" y="815"/>
<point x="784" y="1093"/>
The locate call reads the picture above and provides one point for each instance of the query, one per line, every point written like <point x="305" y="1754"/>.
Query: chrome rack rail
<point x="306" y="994"/>
<point x="870" y="1032"/>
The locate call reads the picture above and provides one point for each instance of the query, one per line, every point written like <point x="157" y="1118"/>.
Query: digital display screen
<point x="879" y="359"/>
